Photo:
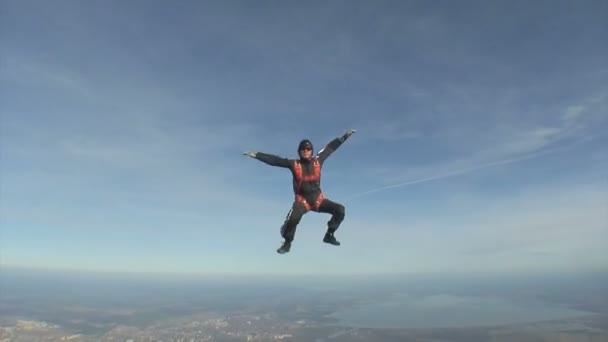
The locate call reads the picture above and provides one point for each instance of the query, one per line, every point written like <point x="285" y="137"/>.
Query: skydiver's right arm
<point x="270" y="159"/>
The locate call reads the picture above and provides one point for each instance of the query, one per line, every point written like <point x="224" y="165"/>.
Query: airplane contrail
<point x="468" y="170"/>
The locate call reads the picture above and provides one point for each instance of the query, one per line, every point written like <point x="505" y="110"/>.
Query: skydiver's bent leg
<point x="337" y="212"/>
<point x="288" y="229"/>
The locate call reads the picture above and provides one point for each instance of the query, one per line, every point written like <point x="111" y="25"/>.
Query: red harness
<point x="300" y="177"/>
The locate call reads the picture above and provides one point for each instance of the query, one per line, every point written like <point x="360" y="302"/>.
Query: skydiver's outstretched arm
<point x="333" y="145"/>
<point x="269" y="159"/>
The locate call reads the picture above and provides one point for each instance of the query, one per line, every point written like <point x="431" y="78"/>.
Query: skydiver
<point x="306" y="172"/>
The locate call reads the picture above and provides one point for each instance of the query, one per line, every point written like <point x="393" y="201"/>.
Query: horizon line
<point x="184" y="274"/>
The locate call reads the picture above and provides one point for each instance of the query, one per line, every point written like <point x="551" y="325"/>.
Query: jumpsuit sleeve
<point x="330" y="148"/>
<point x="273" y="160"/>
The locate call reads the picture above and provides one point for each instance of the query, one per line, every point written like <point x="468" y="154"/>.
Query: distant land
<point x="71" y="306"/>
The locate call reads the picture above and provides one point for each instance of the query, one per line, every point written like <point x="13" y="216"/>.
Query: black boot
<point x="284" y="248"/>
<point x="331" y="239"/>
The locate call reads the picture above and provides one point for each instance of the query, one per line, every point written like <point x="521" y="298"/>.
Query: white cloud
<point x="181" y="166"/>
<point x="24" y="71"/>
<point x="508" y="141"/>
<point x="542" y="228"/>
<point x="573" y="112"/>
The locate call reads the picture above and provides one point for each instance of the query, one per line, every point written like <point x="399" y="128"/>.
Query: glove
<point x="347" y="134"/>
<point x="250" y="154"/>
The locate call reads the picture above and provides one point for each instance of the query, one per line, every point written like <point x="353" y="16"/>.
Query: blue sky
<point x="480" y="128"/>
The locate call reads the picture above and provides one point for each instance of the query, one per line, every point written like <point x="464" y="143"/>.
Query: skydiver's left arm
<point x="333" y="145"/>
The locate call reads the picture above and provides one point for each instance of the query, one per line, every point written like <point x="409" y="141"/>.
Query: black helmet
<point x="305" y="143"/>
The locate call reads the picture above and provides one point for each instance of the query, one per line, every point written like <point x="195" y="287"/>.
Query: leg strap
<point x="308" y="206"/>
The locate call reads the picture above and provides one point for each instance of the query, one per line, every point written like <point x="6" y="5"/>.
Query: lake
<point x="445" y="310"/>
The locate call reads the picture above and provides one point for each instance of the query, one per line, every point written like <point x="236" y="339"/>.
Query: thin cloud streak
<point x="471" y="169"/>
<point x="506" y="140"/>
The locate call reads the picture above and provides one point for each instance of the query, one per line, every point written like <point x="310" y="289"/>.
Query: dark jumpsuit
<point x="310" y="190"/>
